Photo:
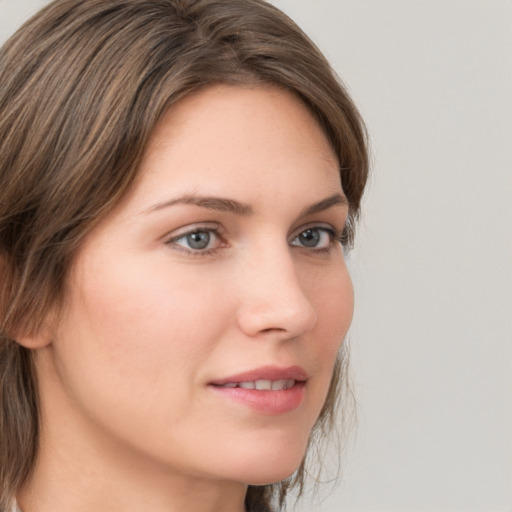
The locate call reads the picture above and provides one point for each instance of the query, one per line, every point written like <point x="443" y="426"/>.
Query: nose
<point x="272" y="300"/>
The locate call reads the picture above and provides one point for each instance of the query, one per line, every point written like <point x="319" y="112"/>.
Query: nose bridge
<point x="272" y="297"/>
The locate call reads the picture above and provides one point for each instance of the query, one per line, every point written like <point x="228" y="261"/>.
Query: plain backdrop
<point x="432" y="335"/>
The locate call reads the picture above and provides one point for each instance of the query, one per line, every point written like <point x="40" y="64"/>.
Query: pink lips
<point x="286" y="395"/>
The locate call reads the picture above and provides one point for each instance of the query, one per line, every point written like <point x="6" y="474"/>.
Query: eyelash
<point x="335" y="237"/>
<point x="216" y="230"/>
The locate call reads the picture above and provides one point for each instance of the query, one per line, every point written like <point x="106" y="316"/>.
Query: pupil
<point x="198" y="240"/>
<point x="310" y="237"/>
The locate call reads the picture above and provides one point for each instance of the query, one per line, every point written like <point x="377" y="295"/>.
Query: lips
<point x="267" y="390"/>
<point x="265" y="373"/>
<point x="262" y="384"/>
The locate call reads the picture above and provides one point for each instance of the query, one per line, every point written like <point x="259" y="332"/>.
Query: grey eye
<point x="309" y="238"/>
<point x="198" y="239"/>
<point x="314" y="238"/>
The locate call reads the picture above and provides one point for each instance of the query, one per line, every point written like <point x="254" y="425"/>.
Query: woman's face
<point x="220" y="272"/>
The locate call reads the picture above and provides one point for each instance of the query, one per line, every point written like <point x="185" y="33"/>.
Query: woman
<point x="178" y="179"/>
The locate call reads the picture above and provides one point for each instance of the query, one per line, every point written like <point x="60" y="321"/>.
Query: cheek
<point x="148" y="304"/>
<point x="132" y="346"/>
<point x="333" y="297"/>
<point x="133" y="330"/>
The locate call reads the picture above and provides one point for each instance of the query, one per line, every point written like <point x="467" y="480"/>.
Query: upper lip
<point x="265" y="373"/>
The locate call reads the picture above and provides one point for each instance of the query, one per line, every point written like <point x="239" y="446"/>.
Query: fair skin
<point x="138" y="410"/>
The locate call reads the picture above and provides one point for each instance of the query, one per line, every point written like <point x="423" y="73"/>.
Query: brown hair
<point x="83" y="85"/>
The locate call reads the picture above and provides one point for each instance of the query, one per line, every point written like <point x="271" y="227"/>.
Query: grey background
<point x="432" y="336"/>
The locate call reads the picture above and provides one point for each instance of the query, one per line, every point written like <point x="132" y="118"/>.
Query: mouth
<point x="267" y="390"/>
<point x="261" y="384"/>
<point x="265" y="376"/>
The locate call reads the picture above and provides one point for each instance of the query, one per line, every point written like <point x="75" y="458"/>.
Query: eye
<point x="199" y="240"/>
<point x="314" y="238"/>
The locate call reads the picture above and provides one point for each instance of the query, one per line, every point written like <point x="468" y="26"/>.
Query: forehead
<point x="236" y="141"/>
<point x="238" y="127"/>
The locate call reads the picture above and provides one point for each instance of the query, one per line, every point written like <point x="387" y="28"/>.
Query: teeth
<point x="289" y="384"/>
<point x="262" y="384"/>
<point x="277" y="385"/>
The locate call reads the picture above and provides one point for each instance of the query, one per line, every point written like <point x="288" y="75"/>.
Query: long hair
<point x="82" y="86"/>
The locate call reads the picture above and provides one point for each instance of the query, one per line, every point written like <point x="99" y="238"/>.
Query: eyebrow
<point x="221" y="204"/>
<point x="324" y="204"/>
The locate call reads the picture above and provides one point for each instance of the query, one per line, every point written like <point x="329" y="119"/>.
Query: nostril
<point x="272" y="329"/>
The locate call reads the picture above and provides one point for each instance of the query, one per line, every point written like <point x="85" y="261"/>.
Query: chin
<point x="271" y="464"/>
<point x="272" y="476"/>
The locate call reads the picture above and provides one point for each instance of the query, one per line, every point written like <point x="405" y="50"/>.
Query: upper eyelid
<point x="191" y="228"/>
<point x="326" y="226"/>
<point x="219" y="229"/>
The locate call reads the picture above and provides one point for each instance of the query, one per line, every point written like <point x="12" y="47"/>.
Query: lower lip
<point x="266" y="402"/>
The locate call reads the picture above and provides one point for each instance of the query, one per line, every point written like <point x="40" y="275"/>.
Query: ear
<point x="41" y="338"/>
<point x="39" y="334"/>
<point x="30" y="336"/>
